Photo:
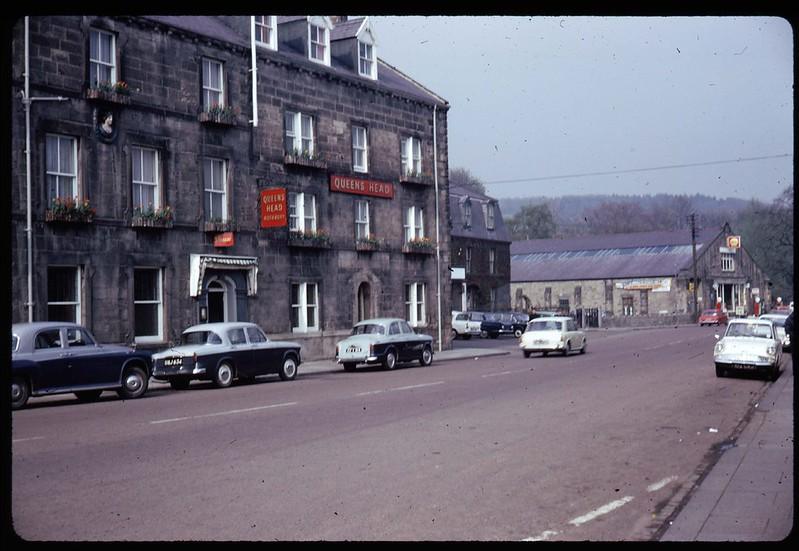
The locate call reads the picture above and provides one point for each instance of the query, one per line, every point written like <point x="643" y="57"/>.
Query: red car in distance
<point x="713" y="317"/>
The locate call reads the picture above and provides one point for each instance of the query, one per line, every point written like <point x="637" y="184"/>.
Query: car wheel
<point x="517" y="333"/>
<point x="390" y="360"/>
<point x="454" y="335"/>
<point x="349" y="367"/>
<point x="526" y="353"/>
<point x="19" y="392"/>
<point x="223" y="376"/>
<point x="585" y="345"/>
<point x="179" y="383"/>
<point x="544" y="353"/>
<point x="720" y="371"/>
<point x="289" y="369"/>
<point x="775" y="373"/>
<point x="88" y="395"/>
<point x="134" y="383"/>
<point x="494" y="335"/>
<point x="567" y="349"/>
<point x="427" y="357"/>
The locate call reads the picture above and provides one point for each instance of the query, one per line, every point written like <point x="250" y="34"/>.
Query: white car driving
<point x="552" y="334"/>
<point x="749" y="345"/>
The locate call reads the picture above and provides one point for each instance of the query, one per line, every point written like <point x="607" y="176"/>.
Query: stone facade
<point x="162" y="67"/>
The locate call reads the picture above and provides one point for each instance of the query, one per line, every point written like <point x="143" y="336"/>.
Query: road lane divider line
<point x="217" y="414"/>
<point x="27" y="439"/>
<point x="607" y="508"/>
<point x="411" y="387"/>
<point x="546" y="534"/>
<point x="661" y="483"/>
<point x="497" y="374"/>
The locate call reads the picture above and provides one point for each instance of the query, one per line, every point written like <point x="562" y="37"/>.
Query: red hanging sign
<point x="274" y="212"/>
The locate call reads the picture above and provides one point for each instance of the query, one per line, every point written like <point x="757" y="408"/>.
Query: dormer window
<point x="466" y="213"/>
<point x="318" y="43"/>
<point x="366" y="60"/>
<point x="266" y="31"/>
<point x="488" y="214"/>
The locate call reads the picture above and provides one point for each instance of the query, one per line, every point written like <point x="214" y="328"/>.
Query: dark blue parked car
<point x="61" y="357"/>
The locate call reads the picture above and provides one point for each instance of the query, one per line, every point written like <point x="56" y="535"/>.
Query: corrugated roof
<point x="631" y="255"/>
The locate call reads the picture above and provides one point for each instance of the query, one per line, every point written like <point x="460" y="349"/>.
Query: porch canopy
<point x="201" y="262"/>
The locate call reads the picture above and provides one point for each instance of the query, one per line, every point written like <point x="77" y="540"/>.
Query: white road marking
<point x="399" y="388"/>
<point x="542" y="536"/>
<point x="600" y="511"/>
<point x="231" y="412"/>
<point x="660" y="483"/>
<point x="27" y="439"/>
<point x="495" y="374"/>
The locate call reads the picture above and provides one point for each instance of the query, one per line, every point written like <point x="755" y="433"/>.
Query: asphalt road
<point x="600" y="446"/>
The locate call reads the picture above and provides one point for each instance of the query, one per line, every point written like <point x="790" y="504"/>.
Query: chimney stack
<point x="336" y="19"/>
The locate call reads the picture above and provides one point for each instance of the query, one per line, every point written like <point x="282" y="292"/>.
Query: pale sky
<point x="561" y="101"/>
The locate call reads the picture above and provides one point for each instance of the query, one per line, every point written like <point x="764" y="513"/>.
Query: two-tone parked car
<point x="491" y="326"/>
<point x="385" y="341"/>
<point x="222" y="352"/>
<point x="779" y="326"/>
<point x="749" y="345"/>
<point x="61" y="357"/>
<point x="515" y="323"/>
<point x="466" y="325"/>
<point x="552" y="334"/>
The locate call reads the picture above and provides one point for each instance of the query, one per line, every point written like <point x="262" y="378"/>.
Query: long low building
<point x="637" y="278"/>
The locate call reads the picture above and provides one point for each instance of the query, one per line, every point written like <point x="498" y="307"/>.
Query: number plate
<point x="172" y="362"/>
<point x="743" y="366"/>
<point x="353" y="349"/>
<point x="539" y="341"/>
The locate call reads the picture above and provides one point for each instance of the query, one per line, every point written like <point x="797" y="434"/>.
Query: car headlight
<point x="771" y="350"/>
<point x="719" y="347"/>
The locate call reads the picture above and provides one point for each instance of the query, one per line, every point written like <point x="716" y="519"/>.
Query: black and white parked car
<point x="61" y="357"/>
<point x="385" y="341"/>
<point x="221" y="352"/>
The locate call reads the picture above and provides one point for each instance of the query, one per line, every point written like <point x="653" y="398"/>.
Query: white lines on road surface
<point x="230" y="412"/>
<point x="367" y="393"/>
<point x="607" y="508"/>
<point x="496" y="374"/>
<point x="603" y="510"/>
<point x="27" y="439"/>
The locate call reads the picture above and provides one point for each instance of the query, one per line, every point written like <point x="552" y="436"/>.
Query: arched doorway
<point x="221" y="299"/>
<point x="364" y="301"/>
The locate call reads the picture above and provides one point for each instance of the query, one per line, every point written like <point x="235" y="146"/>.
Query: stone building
<point x="480" y="252"/>
<point x="637" y="278"/>
<point x="183" y="169"/>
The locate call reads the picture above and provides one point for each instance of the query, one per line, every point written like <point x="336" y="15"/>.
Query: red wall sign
<point x="225" y="239"/>
<point x="274" y="212"/>
<point x="347" y="184"/>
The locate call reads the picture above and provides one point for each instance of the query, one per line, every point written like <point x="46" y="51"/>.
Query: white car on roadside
<point x="552" y="334"/>
<point x="749" y="345"/>
<point x="466" y="324"/>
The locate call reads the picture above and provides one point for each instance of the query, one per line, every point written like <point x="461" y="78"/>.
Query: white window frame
<point x="411" y="156"/>
<point x="414" y="223"/>
<point x="303" y="305"/>
<point x="492" y="261"/>
<point x="301" y="139"/>
<point x="158" y="301"/>
<point x="466" y="211"/>
<point x="57" y="172"/>
<point x="266" y="24"/>
<point x="98" y="63"/>
<point x="727" y="262"/>
<point x="367" y="60"/>
<point x="415" y="305"/>
<point x="488" y="213"/>
<point x="137" y="158"/>
<point x="214" y="190"/>
<point x="362" y="226"/>
<point x="213" y="89"/>
<point x="314" y="44"/>
<point x="302" y="212"/>
<point x="360" y="145"/>
<point x="77" y="302"/>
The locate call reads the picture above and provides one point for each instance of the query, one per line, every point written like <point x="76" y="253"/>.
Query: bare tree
<point x="463" y="177"/>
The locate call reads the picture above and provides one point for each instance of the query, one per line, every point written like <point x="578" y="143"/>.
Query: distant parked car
<point x="552" y="334"/>
<point x="61" y="357"/>
<point x="385" y="341"/>
<point x="491" y="326"/>
<point x="221" y="352"/>
<point x="464" y="326"/>
<point x="779" y="326"/>
<point x="542" y="314"/>
<point x="519" y="323"/>
<point x="713" y="317"/>
<point x="749" y="345"/>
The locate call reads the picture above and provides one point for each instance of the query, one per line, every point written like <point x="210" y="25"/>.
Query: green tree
<point x="532" y="222"/>
<point x="463" y="177"/>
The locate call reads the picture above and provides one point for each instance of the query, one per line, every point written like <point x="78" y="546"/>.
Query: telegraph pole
<point x="692" y="219"/>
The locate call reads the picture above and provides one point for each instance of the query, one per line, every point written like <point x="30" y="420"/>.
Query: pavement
<point x="748" y="495"/>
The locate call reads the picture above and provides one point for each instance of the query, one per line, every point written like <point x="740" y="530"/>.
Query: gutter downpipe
<point x="26" y="101"/>
<point x="254" y="71"/>
<point x="438" y="241"/>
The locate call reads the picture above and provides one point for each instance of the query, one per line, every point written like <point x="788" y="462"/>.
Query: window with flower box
<point x="302" y="212"/>
<point x="146" y="188"/>
<point x="362" y="230"/>
<point x="102" y="58"/>
<point x="266" y="31"/>
<point x="360" y="151"/>
<point x="213" y="84"/>
<point x="63" y="293"/>
<point x="299" y="134"/>
<point x="411" y="157"/>
<point x="414" y="223"/>
<point x="62" y="167"/>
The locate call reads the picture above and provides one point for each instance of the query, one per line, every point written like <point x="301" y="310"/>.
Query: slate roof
<point x="457" y="195"/>
<point x="615" y="256"/>
<point x="388" y="77"/>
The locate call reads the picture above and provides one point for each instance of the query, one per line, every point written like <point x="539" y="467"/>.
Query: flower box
<point x="313" y="240"/>
<point x="145" y="222"/>
<point x="415" y="178"/>
<point x="367" y="245"/>
<point x="111" y="93"/>
<point x="418" y="246"/>
<point x="69" y="211"/>
<point x="219" y="226"/>
<point x="304" y="160"/>
<point x="220" y="118"/>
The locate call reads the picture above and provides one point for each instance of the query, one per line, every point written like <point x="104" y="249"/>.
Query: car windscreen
<point x="368" y="329"/>
<point x="710" y="313"/>
<point x="759" y="330"/>
<point x="780" y="321"/>
<point x="544" y="325"/>
<point x="200" y="337"/>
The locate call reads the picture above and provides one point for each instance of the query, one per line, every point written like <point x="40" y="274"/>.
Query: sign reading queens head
<point x="359" y="186"/>
<point x="274" y="213"/>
